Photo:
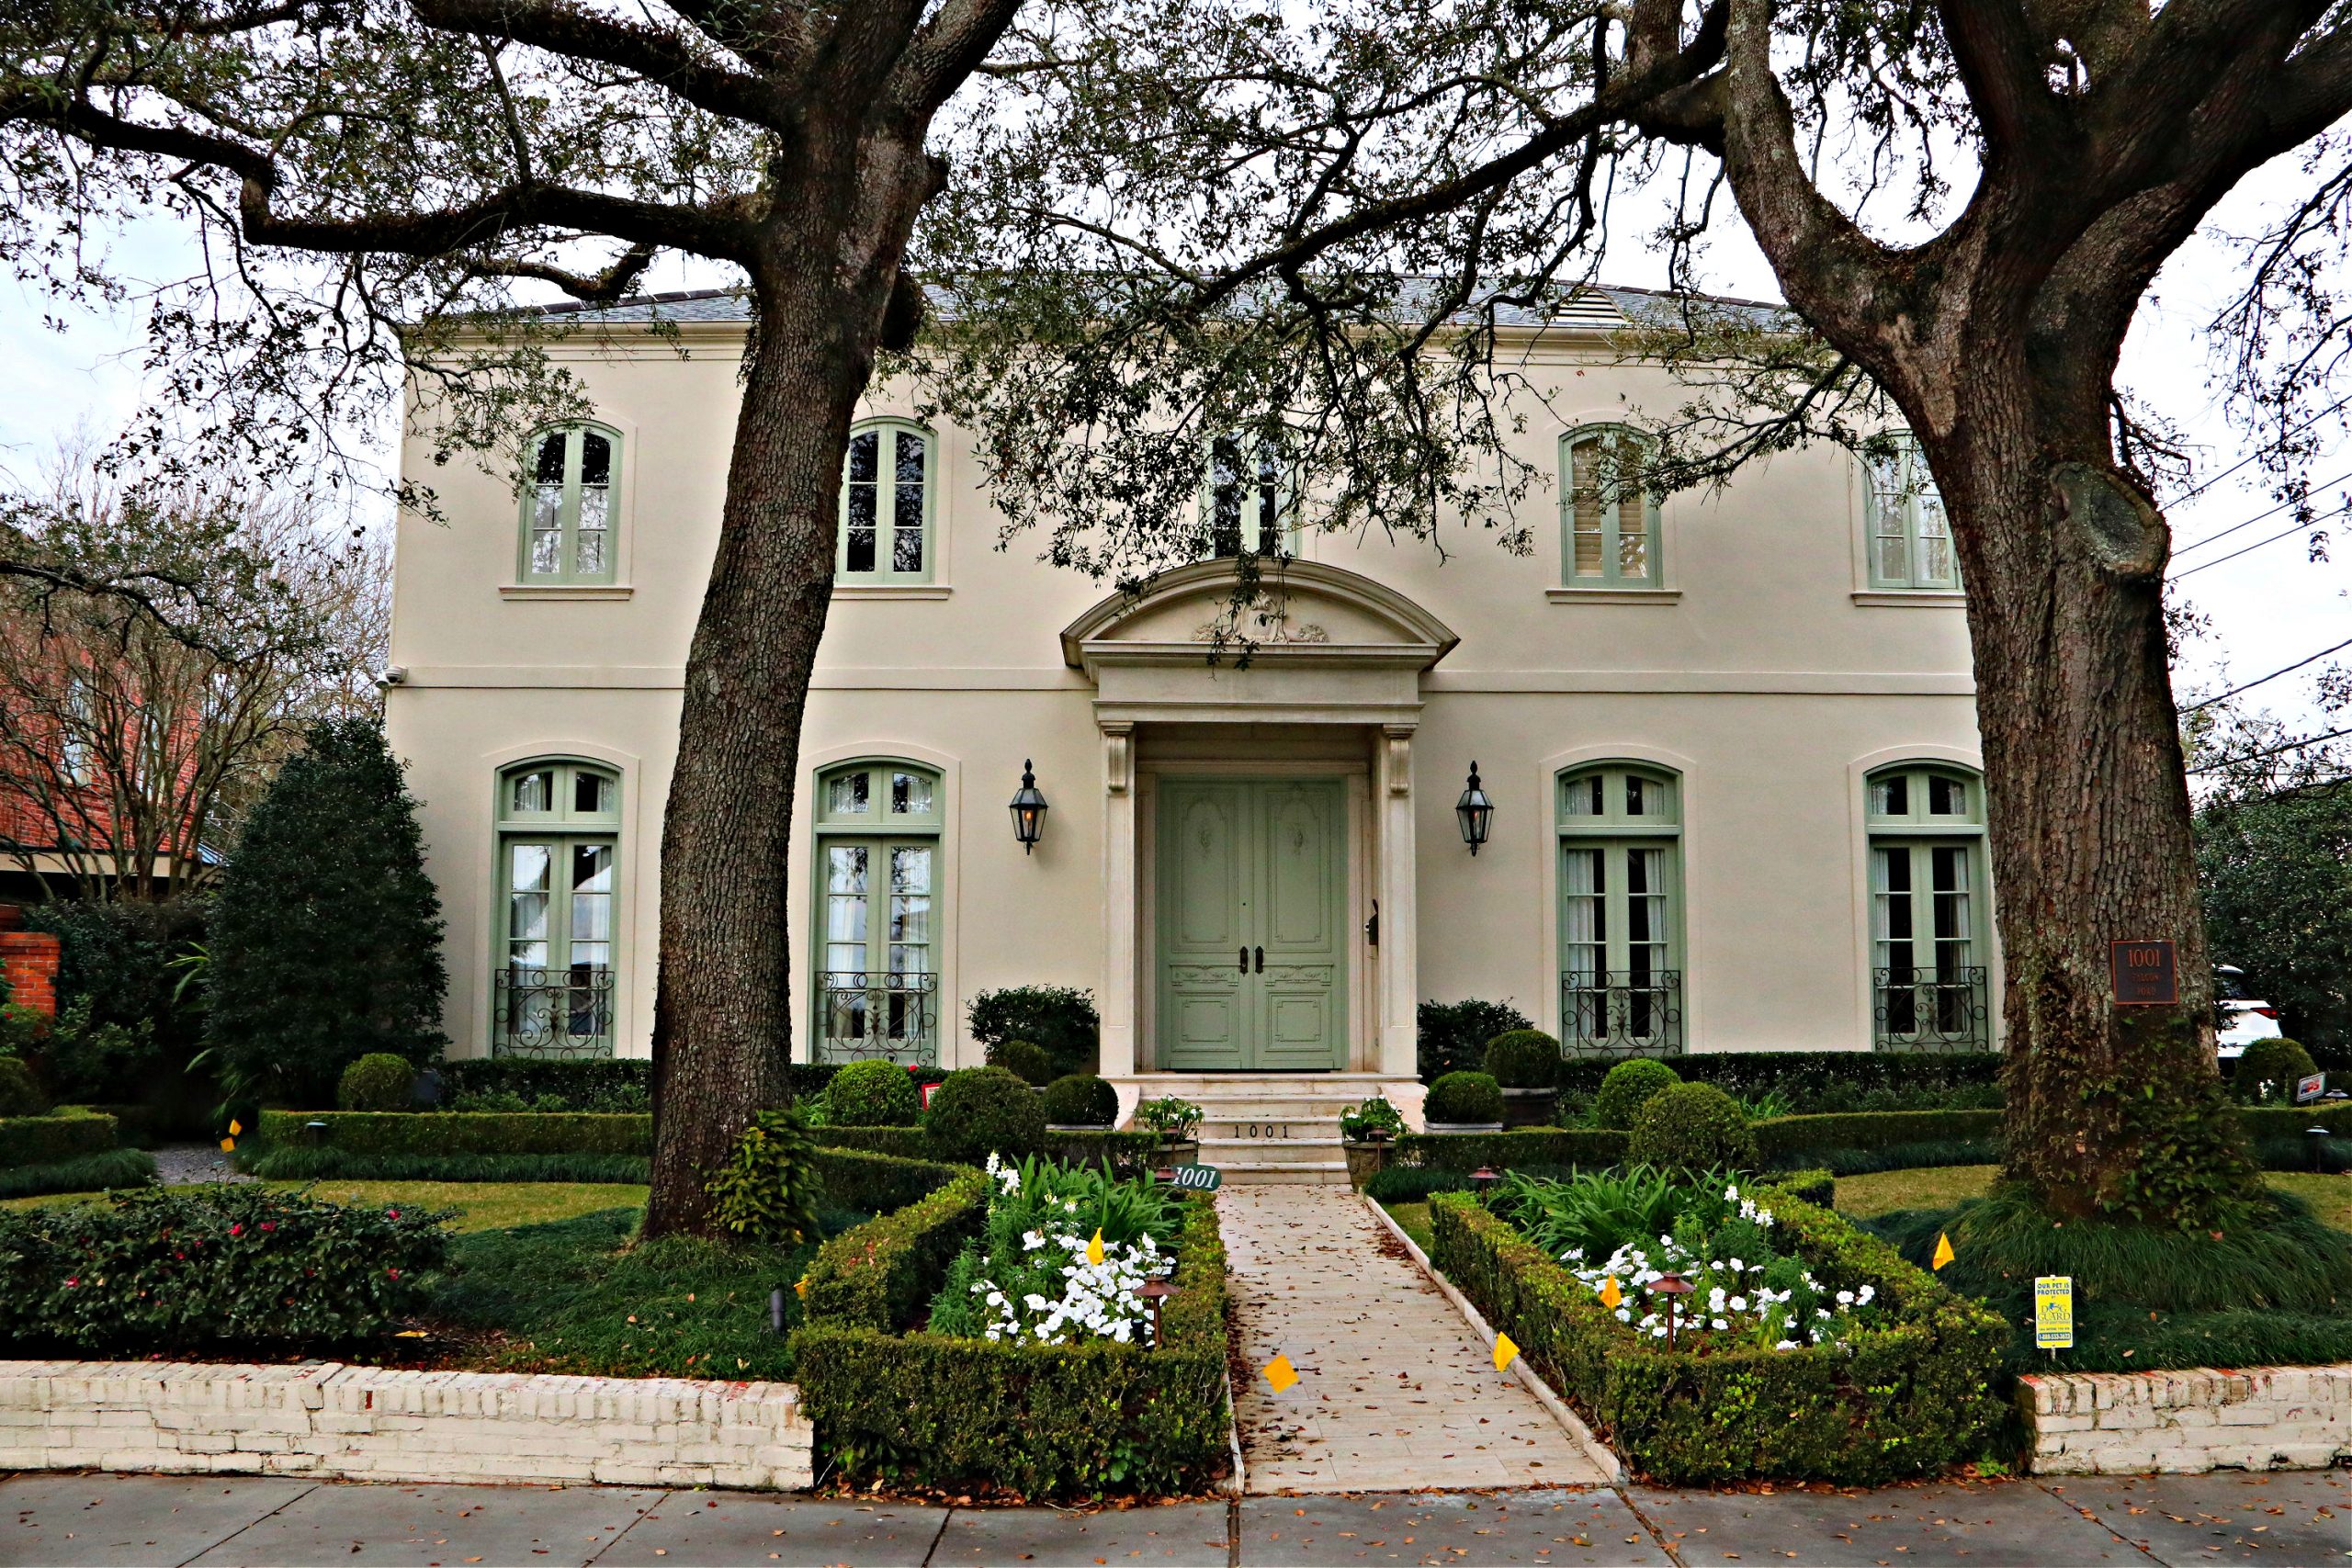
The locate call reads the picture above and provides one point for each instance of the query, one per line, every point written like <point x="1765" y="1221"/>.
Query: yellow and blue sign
<point x="2053" y="1313"/>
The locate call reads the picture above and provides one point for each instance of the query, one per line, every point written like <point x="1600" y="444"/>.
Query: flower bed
<point x="1898" y="1385"/>
<point x="1048" y="1390"/>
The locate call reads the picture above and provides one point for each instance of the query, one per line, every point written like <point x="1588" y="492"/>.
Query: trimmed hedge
<point x="1786" y="1140"/>
<point x="1035" y="1420"/>
<point x="1805" y="1075"/>
<point x="51" y="1140"/>
<point x="581" y="1082"/>
<point x="1127" y="1154"/>
<point x="900" y="1142"/>
<point x="1691" y="1126"/>
<point x="880" y="1276"/>
<point x="1908" y="1399"/>
<point x="464" y="1132"/>
<point x="878" y="1184"/>
<point x="278" y="1162"/>
<point x="1503" y="1151"/>
<point x="90" y="1173"/>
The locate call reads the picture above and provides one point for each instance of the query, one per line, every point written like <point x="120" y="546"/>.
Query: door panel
<point x="1252" y="891"/>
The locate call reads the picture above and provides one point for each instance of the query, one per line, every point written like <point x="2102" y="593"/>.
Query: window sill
<point x="565" y="590"/>
<point x="1909" y="598"/>
<point x="1613" y="595"/>
<point x="892" y="590"/>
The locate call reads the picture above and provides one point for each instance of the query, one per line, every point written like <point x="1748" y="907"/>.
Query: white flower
<point x="1786" y="1344"/>
<point x="1845" y="1298"/>
<point x="1737" y="1267"/>
<point x="1658" y="1333"/>
<point x="1864" y="1298"/>
<point x="1721" y="1323"/>
<point x="1739" y="1304"/>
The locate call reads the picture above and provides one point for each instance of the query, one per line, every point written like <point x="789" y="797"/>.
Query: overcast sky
<point x="2268" y="607"/>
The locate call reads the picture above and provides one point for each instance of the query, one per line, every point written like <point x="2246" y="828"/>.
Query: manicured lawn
<point x="1882" y="1193"/>
<point x="480" y="1205"/>
<point x="1414" y="1219"/>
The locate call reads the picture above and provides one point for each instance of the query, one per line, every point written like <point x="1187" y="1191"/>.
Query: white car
<point x="2247" y="1020"/>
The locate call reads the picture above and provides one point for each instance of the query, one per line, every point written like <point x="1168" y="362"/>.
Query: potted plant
<point x="1367" y="1133"/>
<point x="1464" y="1102"/>
<point x="1526" y="1064"/>
<point x="1176" y="1121"/>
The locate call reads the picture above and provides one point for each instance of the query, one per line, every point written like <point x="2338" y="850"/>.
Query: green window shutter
<point x="571" y="511"/>
<point x="888" y="483"/>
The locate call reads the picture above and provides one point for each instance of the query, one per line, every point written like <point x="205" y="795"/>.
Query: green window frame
<point x="1929" y="938"/>
<point x="570" y="522"/>
<point x="1611" y="535"/>
<point x="889" y="500"/>
<point x="880" y="826"/>
<point x="1910" y="535"/>
<point x="1246" y="511"/>
<point x="1619" y="909"/>
<point x="555" y="955"/>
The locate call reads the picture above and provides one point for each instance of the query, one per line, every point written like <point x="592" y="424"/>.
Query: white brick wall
<point x="2189" y="1421"/>
<point x="373" y="1424"/>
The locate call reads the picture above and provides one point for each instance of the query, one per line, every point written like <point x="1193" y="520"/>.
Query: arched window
<point x="1248" y="498"/>
<point x="570" y="510"/>
<point x="1910" y="537"/>
<point x="887" y="504"/>
<point x="878" y="826"/>
<point x="1620" y="910"/>
<point x="1608" y="525"/>
<point x="559" y="886"/>
<point x="1927" y="896"/>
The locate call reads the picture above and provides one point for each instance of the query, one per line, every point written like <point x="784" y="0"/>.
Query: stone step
<point x="1224" y="1152"/>
<point x="1238" y="1110"/>
<point x="1260" y="1173"/>
<point x="1271" y="1129"/>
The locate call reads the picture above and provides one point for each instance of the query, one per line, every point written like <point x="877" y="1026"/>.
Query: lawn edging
<point x="333" y="1420"/>
<point x="1604" y="1458"/>
<point x="2186" y="1422"/>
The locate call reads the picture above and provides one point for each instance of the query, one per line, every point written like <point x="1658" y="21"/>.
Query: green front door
<point x="1252" y="877"/>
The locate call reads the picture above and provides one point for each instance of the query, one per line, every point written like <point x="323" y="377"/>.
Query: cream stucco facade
<point x="1758" y="679"/>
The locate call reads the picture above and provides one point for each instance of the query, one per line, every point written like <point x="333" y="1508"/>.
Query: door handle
<point x="1262" y="961"/>
<point x="1245" y="961"/>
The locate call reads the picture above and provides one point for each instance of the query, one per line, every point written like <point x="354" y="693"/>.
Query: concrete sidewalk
<point x="74" y="1519"/>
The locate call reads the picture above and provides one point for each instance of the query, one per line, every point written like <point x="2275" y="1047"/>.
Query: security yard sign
<point x="2310" y="1088"/>
<point x="2053" y="1313"/>
<point x="2144" y="972"/>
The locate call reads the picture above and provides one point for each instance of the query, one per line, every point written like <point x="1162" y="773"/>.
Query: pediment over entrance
<point x="1304" y="614"/>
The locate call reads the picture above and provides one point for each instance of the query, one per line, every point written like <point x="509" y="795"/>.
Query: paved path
<point x="1394" y="1392"/>
<point x="158" y="1521"/>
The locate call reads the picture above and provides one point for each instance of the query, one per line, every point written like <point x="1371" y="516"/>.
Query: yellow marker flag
<point x="1094" y="1247"/>
<point x="1505" y="1351"/>
<point x="236" y="1127"/>
<point x="228" y="1146"/>
<point x="1944" y="1254"/>
<point x="1609" y="1294"/>
<point x="1279" y="1373"/>
<point x="801" y="1288"/>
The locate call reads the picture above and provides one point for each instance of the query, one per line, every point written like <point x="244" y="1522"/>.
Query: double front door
<point x="1252" y="883"/>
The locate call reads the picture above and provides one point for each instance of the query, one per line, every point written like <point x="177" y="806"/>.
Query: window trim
<point x="887" y="577"/>
<point x="1616" y="831"/>
<point x="1917" y="482"/>
<point x="561" y="826"/>
<point x="879" y="830"/>
<point x="1915" y="830"/>
<point x="1612" y="580"/>
<point x="568" y="511"/>
<point x="1286" y="507"/>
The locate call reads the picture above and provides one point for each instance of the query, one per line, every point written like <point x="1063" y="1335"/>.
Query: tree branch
<point x="658" y="55"/>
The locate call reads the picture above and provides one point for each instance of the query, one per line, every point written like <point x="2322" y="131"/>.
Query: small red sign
<point x="927" y="1095"/>
<point x="2145" y="975"/>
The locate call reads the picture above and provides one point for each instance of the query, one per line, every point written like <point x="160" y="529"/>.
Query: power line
<point x="2199" y="490"/>
<point x="2272" y="539"/>
<point x="2273" y="752"/>
<point x="2258" y="679"/>
<point x="2199" y="544"/>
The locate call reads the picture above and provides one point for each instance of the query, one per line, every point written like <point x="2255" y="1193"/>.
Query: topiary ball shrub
<point x="20" y="1092"/>
<point x="1459" y="1098"/>
<point x="1032" y="1064"/>
<point x="2267" y="1071"/>
<point x="1082" y="1099"/>
<point x="1523" y="1058"/>
<point x="1628" y="1088"/>
<point x="1691" y="1126"/>
<point x="983" y="1110"/>
<point x="378" y="1082"/>
<point x="873" y="1094"/>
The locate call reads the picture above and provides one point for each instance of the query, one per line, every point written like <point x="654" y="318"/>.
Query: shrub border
<point x="54" y="1138"/>
<point x="86" y="1173"/>
<point x="448" y="1133"/>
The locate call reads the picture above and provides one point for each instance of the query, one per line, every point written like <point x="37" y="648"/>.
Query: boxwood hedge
<point x="463" y="1131"/>
<point x="1129" y="1154"/>
<point x="1035" y="1420"/>
<point x="86" y="1173"/>
<point x="70" y="1134"/>
<point x="1526" y="1147"/>
<point x="1907" y="1399"/>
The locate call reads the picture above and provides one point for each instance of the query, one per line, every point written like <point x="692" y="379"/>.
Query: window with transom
<point x="1620" y="896"/>
<point x="1927" y="935"/>
<point x="887" y="499"/>
<point x="570" y="510"/>
<point x="559" y="827"/>
<point x="1910" y="535"/>
<point x="879" y="829"/>
<point x="1608" y="524"/>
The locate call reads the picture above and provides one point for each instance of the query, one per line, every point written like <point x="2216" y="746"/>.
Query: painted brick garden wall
<point x="2189" y="1422"/>
<point x="326" y="1419"/>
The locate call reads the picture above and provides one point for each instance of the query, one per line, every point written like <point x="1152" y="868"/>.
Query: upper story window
<point x="569" y="505"/>
<point x="1247" y="501"/>
<point x="886" y="502"/>
<point x="1608" y="525"/>
<point x="877" y="983"/>
<point x="1928" y="899"/>
<point x="1910" y="535"/>
<point x="559" y="888"/>
<point x="1620" y="910"/>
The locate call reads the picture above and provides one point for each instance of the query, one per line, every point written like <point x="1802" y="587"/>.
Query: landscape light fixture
<point x="1482" y="1180"/>
<point x="1475" y="812"/>
<point x="1155" y="1291"/>
<point x="1028" y="809"/>
<point x="1673" y="1286"/>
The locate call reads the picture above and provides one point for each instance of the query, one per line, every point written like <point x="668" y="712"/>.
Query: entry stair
<point x="1267" y="1127"/>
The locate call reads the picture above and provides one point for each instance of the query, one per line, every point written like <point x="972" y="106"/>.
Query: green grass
<point x="110" y="1168"/>
<point x="1413" y="1219"/>
<point x="1882" y="1193"/>
<point x="480" y="1205"/>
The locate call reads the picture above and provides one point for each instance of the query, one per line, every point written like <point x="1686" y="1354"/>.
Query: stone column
<point x="1399" y="924"/>
<point x="1117" y="991"/>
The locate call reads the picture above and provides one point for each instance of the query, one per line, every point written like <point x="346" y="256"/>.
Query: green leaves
<point x="766" y="1190"/>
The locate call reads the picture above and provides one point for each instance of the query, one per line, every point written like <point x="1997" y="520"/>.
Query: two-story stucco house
<point x="1729" y="741"/>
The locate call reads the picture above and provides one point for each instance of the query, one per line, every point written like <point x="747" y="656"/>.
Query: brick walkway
<point x="1394" y="1392"/>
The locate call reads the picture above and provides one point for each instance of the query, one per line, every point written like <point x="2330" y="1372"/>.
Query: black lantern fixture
<point x="1475" y="812"/>
<point x="1028" y="809"/>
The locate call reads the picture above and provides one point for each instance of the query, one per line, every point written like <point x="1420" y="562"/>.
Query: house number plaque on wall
<point x="2144" y="974"/>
